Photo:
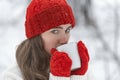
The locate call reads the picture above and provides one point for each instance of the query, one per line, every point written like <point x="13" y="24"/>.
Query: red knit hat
<point x="43" y="15"/>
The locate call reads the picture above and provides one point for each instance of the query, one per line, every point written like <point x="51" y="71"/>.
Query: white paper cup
<point x="72" y="51"/>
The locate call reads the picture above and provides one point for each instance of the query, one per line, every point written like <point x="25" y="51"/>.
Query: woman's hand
<point x="84" y="59"/>
<point x="60" y="63"/>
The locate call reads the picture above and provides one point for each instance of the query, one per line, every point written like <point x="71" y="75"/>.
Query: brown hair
<point x="33" y="60"/>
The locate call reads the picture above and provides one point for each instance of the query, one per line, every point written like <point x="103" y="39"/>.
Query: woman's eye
<point x="68" y="30"/>
<point x="55" y="31"/>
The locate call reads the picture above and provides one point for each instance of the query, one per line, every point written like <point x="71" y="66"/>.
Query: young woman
<point x="47" y="26"/>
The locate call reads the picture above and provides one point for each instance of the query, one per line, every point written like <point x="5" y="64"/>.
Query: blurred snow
<point x="11" y="30"/>
<point x="104" y="49"/>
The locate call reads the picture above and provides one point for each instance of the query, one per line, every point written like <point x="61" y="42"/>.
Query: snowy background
<point x="97" y="25"/>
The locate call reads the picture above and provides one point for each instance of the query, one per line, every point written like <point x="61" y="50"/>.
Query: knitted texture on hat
<point x="43" y="15"/>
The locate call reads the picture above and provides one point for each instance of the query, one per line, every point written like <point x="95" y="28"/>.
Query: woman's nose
<point x="64" y="39"/>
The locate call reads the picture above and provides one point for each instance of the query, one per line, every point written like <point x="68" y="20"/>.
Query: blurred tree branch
<point x="87" y="12"/>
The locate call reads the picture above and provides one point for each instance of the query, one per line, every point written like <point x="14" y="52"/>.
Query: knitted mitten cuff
<point x="78" y="77"/>
<point x="52" y="77"/>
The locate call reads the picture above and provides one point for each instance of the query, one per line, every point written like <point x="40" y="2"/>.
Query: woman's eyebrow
<point x="59" y="27"/>
<point x="62" y="27"/>
<point x="69" y="27"/>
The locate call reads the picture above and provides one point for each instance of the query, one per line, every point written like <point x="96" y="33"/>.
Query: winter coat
<point x="14" y="73"/>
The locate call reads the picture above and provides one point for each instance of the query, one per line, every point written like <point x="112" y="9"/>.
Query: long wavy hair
<point x="33" y="60"/>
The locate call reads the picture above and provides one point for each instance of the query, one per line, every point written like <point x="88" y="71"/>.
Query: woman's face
<point x="56" y="36"/>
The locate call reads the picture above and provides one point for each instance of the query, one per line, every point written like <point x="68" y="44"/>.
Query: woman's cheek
<point x="49" y="46"/>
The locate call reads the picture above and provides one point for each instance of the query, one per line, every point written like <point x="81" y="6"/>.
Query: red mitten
<point x="60" y="63"/>
<point x="83" y="53"/>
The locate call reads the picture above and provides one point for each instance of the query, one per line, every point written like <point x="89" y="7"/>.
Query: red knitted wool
<point x="83" y="53"/>
<point x="43" y="15"/>
<point x="60" y="64"/>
